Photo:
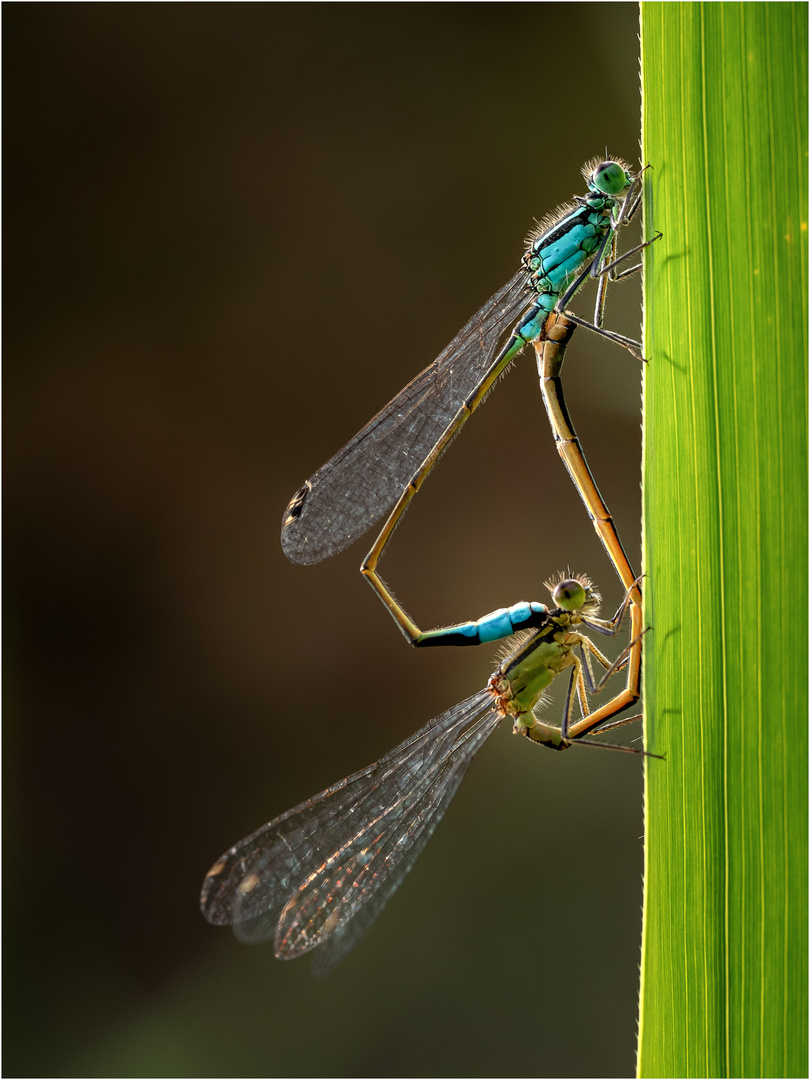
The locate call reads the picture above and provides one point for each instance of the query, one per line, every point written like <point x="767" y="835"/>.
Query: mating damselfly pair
<point x="317" y="876"/>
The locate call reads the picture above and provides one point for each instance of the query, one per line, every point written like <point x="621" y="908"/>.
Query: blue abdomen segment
<point x="493" y="627"/>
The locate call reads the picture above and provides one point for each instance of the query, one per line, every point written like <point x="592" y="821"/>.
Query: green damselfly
<point x="318" y="876"/>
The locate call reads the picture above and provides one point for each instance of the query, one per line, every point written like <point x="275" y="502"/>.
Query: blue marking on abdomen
<point x="495" y="626"/>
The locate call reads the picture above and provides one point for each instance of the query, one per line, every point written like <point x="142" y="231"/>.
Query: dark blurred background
<point x="232" y="232"/>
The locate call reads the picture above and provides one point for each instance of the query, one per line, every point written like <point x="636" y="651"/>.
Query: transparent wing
<point x="321" y="873"/>
<point x="363" y="481"/>
<point x="338" y="904"/>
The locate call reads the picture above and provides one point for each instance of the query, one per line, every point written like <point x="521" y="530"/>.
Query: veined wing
<point x="337" y="904"/>
<point x="363" y="481"/>
<point x="323" y="871"/>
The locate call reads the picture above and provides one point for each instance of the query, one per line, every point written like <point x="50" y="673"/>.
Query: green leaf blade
<point x="724" y="956"/>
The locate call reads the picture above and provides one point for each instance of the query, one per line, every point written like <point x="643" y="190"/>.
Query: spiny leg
<point x="611" y="627"/>
<point x="604" y="272"/>
<point x="589" y="650"/>
<point x="629" y="695"/>
<point x="589" y="720"/>
<point x="628" y="343"/>
<point x="608" y="273"/>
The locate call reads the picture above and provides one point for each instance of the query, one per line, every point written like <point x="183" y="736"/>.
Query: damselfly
<point x="378" y="472"/>
<point x="317" y="876"/>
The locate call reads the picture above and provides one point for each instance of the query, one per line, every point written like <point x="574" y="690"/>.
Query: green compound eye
<point x="609" y="178"/>
<point x="569" y="594"/>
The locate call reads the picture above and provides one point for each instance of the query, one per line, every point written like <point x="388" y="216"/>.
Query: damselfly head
<point x="607" y="177"/>
<point x="574" y="593"/>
